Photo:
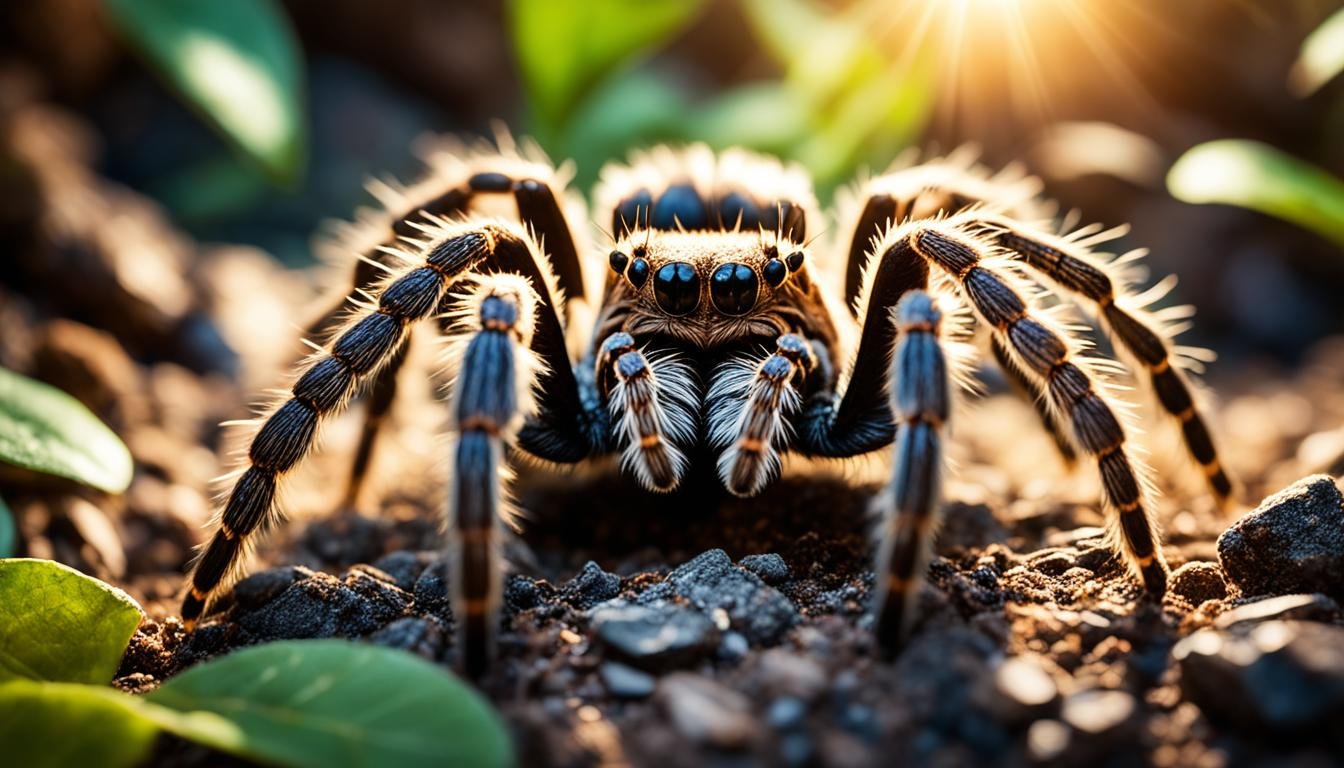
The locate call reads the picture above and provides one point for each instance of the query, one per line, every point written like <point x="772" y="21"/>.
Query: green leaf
<point x="237" y="62"/>
<point x="61" y="625"/>
<point x="63" y="724"/>
<point x="9" y="532"/>
<point x="335" y="703"/>
<point x="1260" y="177"/>
<point x="1322" y="56"/>
<point x="565" y="47"/>
<point x="44" y="429"/>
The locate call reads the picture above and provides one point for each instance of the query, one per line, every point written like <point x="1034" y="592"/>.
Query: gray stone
<point x="707" y="713"/>
<point x="592" y="586"/>
<point x="404" y="567"/>
<point x="423" y="637"/>
<point x="262" y="587"/>
<point x="1311" y="607"/>
<point x="791" y="674"/>
<point x="655" y="637"/>
<point x="626" y="682"/>
<point x="757" y="610"/>
<point x="1293" y="542"/>
<point x="1099" y="712"/>
<point x="770" y="567"/>
<point x="1284" y="676"/>
<point x="323" y="606"/>
<point x="1198" y="582"/>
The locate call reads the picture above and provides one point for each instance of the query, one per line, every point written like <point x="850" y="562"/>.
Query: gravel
<point x="1293" y="542"/>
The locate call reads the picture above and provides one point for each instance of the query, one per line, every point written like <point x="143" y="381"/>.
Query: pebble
<point x="1311" y="607"/>
<point x="1047" y="740"/>
<point x="626" y="682"/>
<point x="792" y="674"/>
<point x="424" y="637"/>
<point x="404" y="567"/>
<point x="770" y="567"/>
<point x="655" y="637"/>
<point x="1199" y="581"/>
<point x="321" y="605"/>
<point x="785" y="713"/>
<point x="756" y="609"/>
<point x="262" y="587"/>
<point x="1020" y="690"/>
<point x="591" y="587"/>
<point x="1097" y="711"/>
<point x="1285" y="676"/>
<point x="706" y="712"/>
<point x="1293" y="542"/>
<point x="431" y="591"/>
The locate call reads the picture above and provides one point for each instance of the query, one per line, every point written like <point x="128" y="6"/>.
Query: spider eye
<point x="732" y="287"/>
<point x="775" y="272"/>
<point x="676" y="286"/>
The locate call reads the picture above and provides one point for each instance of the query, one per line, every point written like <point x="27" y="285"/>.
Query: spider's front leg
<point x="492" y="395"/>
<point x="652" y="401"/>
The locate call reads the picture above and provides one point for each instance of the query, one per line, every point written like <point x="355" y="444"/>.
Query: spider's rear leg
<point x="920" y="397"/>
<point x="1031" y="390"/>
<point x="749" y="407"/>
<point x="652" y="400"/>
<point x="1071" y="267"/>
<point x="1048" y="355"/>
<point x="492" y="395"/>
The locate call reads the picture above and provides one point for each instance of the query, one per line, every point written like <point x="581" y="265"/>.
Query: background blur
<point x="251" y="122"/>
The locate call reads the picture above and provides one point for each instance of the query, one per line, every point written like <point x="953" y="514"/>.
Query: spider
<point x="719" y="332"/>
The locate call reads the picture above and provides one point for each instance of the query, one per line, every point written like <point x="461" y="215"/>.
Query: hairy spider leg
<point x="910" y="505"/>
<point x="368" y="342"/>
<point x="749" y="409"/>
<point x="539" y="210"/>
<point x="1069" y="266"/>
<point x="492" y="395"/>
<point x="1048" y="355"/>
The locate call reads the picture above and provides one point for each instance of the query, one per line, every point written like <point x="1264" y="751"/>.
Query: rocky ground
<point x="691" y="629"/>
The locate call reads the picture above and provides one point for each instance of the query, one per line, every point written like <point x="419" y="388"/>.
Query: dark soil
<point x="691" y="629"/>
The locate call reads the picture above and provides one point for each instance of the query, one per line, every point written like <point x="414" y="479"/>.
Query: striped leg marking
<point x="1069" y="266"/>
<point x="920" y="403"/>
<point x="368" y="342"/>
<point x="653" y="404"/>
<point x="748" y="412"/>
<point x="492" y="396"/>
<point x="1046" y="354"/>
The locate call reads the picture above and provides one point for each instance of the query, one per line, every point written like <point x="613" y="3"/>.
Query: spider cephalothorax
<point x="719" y="331"/>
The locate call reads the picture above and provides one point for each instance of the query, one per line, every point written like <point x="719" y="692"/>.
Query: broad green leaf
<point x="9" y="532"/>
<point x="237" y="62"/>
<point x="565" y="47"/>
<point x="44" y="429"/>
<point x="335" y="703"/>
<point x="1260" y="177"/>
<point x="64" y="724"/>
<point x="1322" y="56"/>
<point x="58" y="624"/>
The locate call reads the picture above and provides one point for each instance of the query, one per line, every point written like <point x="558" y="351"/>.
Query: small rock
<point x="655" y="637"/>
<point x="1047" y="740"/>
<point x="1020" y="690"/>
<point x="707" y="713"/>
<point x="770" y="567"/>
<point x="262" y="587"/>
<point x="1198" y="582"/>
<point x="757" y="610"/>
<point x="323" y="606"/>
<point x="1098" y="712"/>
<point x="592" y="586"/>
<point x="785" y="713"/>
<point x="431" y="591"/>
<point x="734" y="646"/>
<point x="521" y="592"/>
<point x="423" y="637"/>
<point x="1052" y="563"/>
<point x="1286" y="676"/>
<point x="404" y="567"/>
<point x="791" y="674"/>
<point x="1312" y="607"/>
<point x="1293" y="542"/>
<point x="626" y="682"/>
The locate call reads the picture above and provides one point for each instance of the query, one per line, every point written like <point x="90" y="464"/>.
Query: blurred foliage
<point x="840" y="101"/>
<point x="46" y="430"/>
<point x="1260" y="177"/>
<point x="1322" y="57"/>
<point x="305" y="703"/>
<point x="9" y="532"/>
<point x="236" y="62"/>
<point x="1265" y="179"/>
<point x="60" y="625"/>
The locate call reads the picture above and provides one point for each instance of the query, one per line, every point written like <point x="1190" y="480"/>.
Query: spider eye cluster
<point x="734" y="288"/>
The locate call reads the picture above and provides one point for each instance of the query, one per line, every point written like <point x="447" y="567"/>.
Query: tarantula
<point x="719" y="330"/>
